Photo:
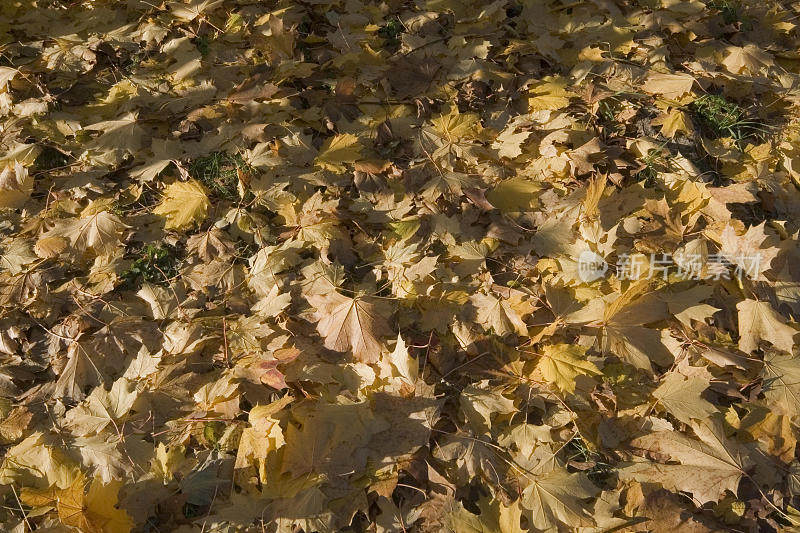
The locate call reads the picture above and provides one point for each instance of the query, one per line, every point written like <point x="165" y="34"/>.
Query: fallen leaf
<point x="561" y="364"/>
<point x="759" y="321"/>
<point x="352" y="324"/>
<point x="184" y="204"/>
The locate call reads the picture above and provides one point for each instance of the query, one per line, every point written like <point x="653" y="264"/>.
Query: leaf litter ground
<point x="399" y="266"/>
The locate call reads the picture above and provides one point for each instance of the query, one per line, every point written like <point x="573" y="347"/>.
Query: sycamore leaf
<point x="49" y="247"/>
<point x="508" y="516"/>
<point x="210" y="245"/>
<point x="454" y="125"/>
<point x="479" y="402"/>
<point x="513" y="195"/>
<point x="681" y="397"/>
<point x="6" y="75"/>
<point x="747" y="251"/>
<point x="623" y="331"/>
<point x="337" y="151"/>
<point x="192" y="10"/>
<point x="124" y="133"/>
<point x="686" y="305"/>
<point x="500" y="314"/>
<point x="166" y="460"/>
<point x="671" y="86"/>
<point x="102" y="408"/>
<point x="509" y="143"/>
<point x="495" y="517"/>
<point x="554" y="237"/>
<point x="30" y="460"/>
<point x="164" y="152"/>
<point x="781" y="375"/>
<point x="459" y="519"/>
<point x="758" y="321"/>
<point x="16" y="185"/>
<point x="560" y="364"/>
<point x="107" y="459"/>
<point x="555" y="499"/>
<point x="91" y="512"/>
<point x="673" y="122"/>
<point x="352" y="324"/>
<point x="749" y="58"/>
<point x="184" y="203"/>
<point x="328" y="436"/>
<point x="14" y="424"/>
<point x="100" y="232"/>
<point x="262" y="437"/>
<point x="706" y="467"/>
<point x="98" y="511"/>
<point x="16" y="256"/>
<point x="407" y="367"/>
<point x="549" y="94"/>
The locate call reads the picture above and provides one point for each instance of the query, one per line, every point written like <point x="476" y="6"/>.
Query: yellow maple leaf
<point x="515" y="194"/>
<point x="549" y="94"/>
<point x="123" y="133"/>
<point x="759" y="321"/>
<point x="556" y="497"/>
<point x="92" y="512"/>
<point x="100" y="232"/>
<point x="671" y="86"/>
<point x="184" y="203"/>
<point x="562" y="363"/>
<point x="672" y="122"/>
<point x="454" y="125"/>
<point x="166" y="460"/>
<point x="352" y="323"/>
<point x="263" y="436"/>
<point x="749" y="58"/>
<point x="338" y="150"/>
<point x="503" y="315"/>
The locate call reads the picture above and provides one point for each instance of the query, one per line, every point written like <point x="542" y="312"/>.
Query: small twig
<point x="22" y="510"/>
<point x="225" y="341"/>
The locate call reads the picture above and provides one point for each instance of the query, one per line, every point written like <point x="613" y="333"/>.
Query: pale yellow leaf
<point x="184" y="203"/>
<point x="674" y="121"/>
<point x="706" y="468"/>
<point x="338" y="150"/>
<point x="671" y="86"/>
<point x="355" y="324"/>
<point x="758" y="321"/>
<point x="681" y="396"/>
<point x="556" y="498"/>
<point x="561" y="364"/>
